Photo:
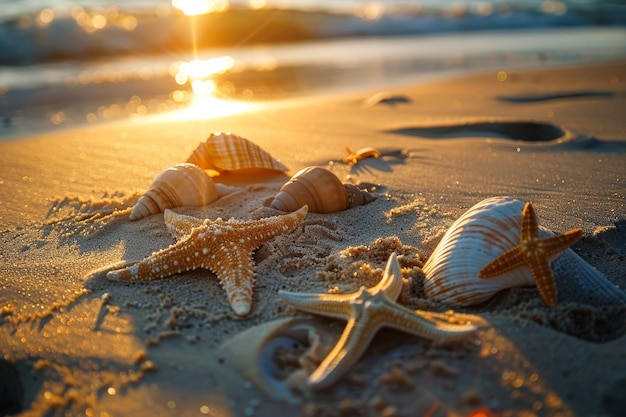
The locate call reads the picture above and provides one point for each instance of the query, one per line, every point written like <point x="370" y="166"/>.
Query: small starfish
<point x="224" y="247"/>
<point x="536" y="253"/>
<point x="366" y="311"/>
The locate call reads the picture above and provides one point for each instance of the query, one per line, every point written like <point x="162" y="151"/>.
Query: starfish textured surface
<point x="366" y="311"/>
<point x="534" y="252"/>
<point x="224" y="247"/>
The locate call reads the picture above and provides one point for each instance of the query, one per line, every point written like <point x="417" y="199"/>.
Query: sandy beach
<point x="81" y="344"/>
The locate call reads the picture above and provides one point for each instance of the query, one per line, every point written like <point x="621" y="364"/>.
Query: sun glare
<point x="202" y="69"/>
<point x="199" y="74"/>
<point x="210" y="108"/>
<point x="196" y="7"/>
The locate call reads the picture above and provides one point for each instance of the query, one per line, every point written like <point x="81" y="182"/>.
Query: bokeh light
<point x="45" y="17"/>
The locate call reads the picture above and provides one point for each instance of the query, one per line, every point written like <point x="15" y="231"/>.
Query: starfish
<point x="366" y="311"/>
<point x="224" y="247"/>
<point x="536" y="253"/>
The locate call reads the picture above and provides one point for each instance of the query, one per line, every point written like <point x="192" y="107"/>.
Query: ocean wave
<point x="86" y="36"/>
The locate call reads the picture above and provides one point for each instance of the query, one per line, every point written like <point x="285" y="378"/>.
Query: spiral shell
<point x="177" y="186"/>
<point x="227" y="152"/>
<point x="253" y="353"/>
<point x="484" y="232"/>
<point x="321" y="190"/>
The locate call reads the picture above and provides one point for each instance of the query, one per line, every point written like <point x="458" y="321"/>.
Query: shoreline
<point x="159" y="347"/>
<point x="69" y="96"/>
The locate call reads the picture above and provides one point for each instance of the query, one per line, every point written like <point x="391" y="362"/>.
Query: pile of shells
<point x="190" y="184"/>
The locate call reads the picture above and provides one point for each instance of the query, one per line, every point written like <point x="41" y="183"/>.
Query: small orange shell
<point x="227" y="152"/>
<point x="177" y="186"/>
<point x="321" y="190"/>
<point x="361" y="154"/>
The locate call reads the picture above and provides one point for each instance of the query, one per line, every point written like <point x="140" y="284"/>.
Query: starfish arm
<point x="329" y="305"/>
<point x="391" y="284"/>
<point x="351" y="345"/>
<point x="179" y="257"/>
<point x="542" y="273"/>
<point x="508" y="261"/>
<point x="559" y="243"/>
<point x="530" y="226"/>
<point x="260" y="231"/>
<point x="415" y="323"/>
<point x="180" y="225"/>
<point x="235" y="270"/>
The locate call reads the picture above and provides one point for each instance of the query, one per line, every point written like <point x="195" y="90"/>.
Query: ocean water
<point x="69" y="62"/>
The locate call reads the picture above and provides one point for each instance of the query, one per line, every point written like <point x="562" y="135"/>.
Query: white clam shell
<point x="181" y="185"/>
<point x="484" y="232"/>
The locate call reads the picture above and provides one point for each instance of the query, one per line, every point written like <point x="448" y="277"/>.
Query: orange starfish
<point x="536" y="253"/>
<point x="224" y="247"/>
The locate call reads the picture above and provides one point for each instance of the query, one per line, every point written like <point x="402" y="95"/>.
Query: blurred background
<point x="67" y="63"/>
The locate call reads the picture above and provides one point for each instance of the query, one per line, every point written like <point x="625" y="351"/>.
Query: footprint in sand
<point x="529" y="131"/>
<point x="533" y="98"/>
<point x="515" y="130"/>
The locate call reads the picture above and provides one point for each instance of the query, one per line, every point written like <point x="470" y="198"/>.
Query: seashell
<point x="178" y="186"/>
<point x="254" y="353"/>
<point x="321" y="190"/>
<point x="484" y="232"/>
<point x="363" y="153"/>
<point x="228" y="152"/>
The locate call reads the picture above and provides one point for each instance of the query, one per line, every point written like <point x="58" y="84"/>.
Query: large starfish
<point x="366" y="311"/>
<point x="224" y="247"/>
<point x="534" y="252"/>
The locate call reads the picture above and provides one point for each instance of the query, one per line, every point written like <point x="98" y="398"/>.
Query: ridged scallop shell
<point x="321" y="190"/>
<point x="228" y="152"/>
<point x="177" y="186"/>
<point x="484" y="232"/>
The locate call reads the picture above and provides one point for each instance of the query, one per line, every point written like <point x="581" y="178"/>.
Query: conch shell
<point x="228" y="152"/>
<point x="178" y="186"/>
<point x="321" y="190"/>
<point x="484" y="232"/>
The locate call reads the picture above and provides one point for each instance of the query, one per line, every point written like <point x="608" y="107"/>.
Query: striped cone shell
<point x="177" y="186"/>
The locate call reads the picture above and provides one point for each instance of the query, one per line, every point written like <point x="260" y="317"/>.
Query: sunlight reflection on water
<point x="199" y="74"/>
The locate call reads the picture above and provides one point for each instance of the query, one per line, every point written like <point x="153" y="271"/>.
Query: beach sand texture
<point x="84" y="345"/>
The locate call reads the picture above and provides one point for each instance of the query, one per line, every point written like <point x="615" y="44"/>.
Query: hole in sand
<point x="528" y="131"/>
<point x="11" y="389"/>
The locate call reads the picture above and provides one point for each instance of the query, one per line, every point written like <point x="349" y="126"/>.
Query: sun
<point x="196" y="7"/>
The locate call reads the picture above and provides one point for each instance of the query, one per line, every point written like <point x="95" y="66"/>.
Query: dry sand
<point x="83" y="345"/>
